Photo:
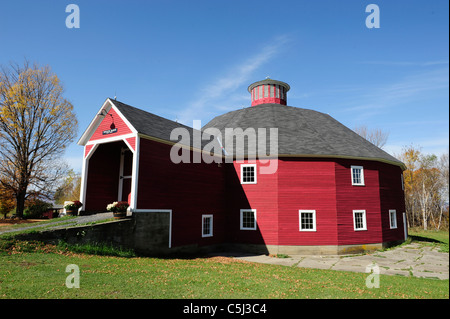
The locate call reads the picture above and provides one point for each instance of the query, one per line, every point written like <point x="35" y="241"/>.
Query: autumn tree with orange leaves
<point x="426" y="181"/>
<point x="36" y="125"/>
<point x="7" y="200"/>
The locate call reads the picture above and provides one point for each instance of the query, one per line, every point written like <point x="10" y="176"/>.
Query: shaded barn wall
<point x="262" y="196"/>
<point x="392" y="197"/>
<point x="190" y="190"/>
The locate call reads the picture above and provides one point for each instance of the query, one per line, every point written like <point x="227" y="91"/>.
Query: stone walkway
<point x="414" y="259"/>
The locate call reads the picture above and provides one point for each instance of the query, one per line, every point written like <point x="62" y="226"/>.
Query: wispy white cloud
<point x="406" y="63"/>
<point x="215" y="96"/>
<point x="436" y="146"/>
<point x="375" y="99"/>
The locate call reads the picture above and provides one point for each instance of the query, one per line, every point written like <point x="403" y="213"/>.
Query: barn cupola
<point x="268" y="91"/>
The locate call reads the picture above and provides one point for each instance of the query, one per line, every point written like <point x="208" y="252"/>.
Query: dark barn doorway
<point x="109" y="177"/>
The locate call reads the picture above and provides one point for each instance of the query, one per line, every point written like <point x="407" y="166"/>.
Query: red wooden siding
<point x="132" y="142"/>
<point x="350" y="197"/>
<point x="307" y="184"/>
<point x="321" y="185"/>
<point x="188" y="189"/>
<point x="262" y="196"/>
<point x="392" y="197"/>
<point x="105" y="124"/>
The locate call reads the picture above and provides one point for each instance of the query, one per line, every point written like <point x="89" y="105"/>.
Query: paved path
<point x="63" y="223"/>
<point x="414" y="259"/>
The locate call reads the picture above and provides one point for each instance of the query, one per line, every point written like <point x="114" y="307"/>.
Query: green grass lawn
<point x="35" y="270"/>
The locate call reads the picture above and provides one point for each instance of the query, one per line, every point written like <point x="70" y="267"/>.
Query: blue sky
<point x="193" y="60"/>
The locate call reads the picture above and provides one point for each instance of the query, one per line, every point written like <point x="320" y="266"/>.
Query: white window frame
<point x="362" y="175"/>
<point x="204" y="217"/>
<point x="300" y="212"/>
<point x="393" y="212"/>
<point x="364" y="219"/>
<point x="241" y="219"/>
<point x="242" y="173"/>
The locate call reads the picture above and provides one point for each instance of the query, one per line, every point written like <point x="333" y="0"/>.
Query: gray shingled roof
<point x="152" y="125"/>
<point x="148" y="123"/>
<point x="301" y="132"/>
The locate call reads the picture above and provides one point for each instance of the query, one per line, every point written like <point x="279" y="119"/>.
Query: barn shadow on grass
<point x="419" y="238"/>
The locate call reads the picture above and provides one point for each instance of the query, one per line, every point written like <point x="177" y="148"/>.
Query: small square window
<point x="307" y="220"/>
<point x="359" y="220"/>
<point x="248" y="174"/>
<point x="393" y="218"/>
<point x="248" y="219"/>
<point x="357" y="175"/>
<point x="207" y="225"/>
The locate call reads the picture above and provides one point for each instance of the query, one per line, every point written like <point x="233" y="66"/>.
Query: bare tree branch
<point x="36" y="125"/>
<point x="376" y="136"/>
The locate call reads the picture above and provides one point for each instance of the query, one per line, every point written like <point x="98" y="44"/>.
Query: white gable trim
<point x="84" y="174"/>
<point x="135" y="174"/>
<point x="123" y="118"/>
<point x="113" y="139"/>
<point x="98" y="119"/>
<point x="135" y="167"/>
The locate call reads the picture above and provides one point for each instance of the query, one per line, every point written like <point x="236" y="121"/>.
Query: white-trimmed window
<point x="357" y="175"/>
<point x="393" y="218"/>
<point x="248" y="219"/>
<point x="207" y="225"/>
<point x="307" y="220"/>
<point x="359" y="220"/>
<point x="248" y="174"/>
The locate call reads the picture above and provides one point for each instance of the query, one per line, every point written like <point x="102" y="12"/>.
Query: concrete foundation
<point x="312" y="250"/>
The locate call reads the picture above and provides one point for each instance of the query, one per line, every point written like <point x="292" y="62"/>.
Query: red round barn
<point x="301" y="182"/>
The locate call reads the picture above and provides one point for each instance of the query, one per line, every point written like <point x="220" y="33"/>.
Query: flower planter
<point x="119" y="215"/>
<point x="72" y="212"/>
<point x="72" y="207"/>
<point x="119" y="209"/>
